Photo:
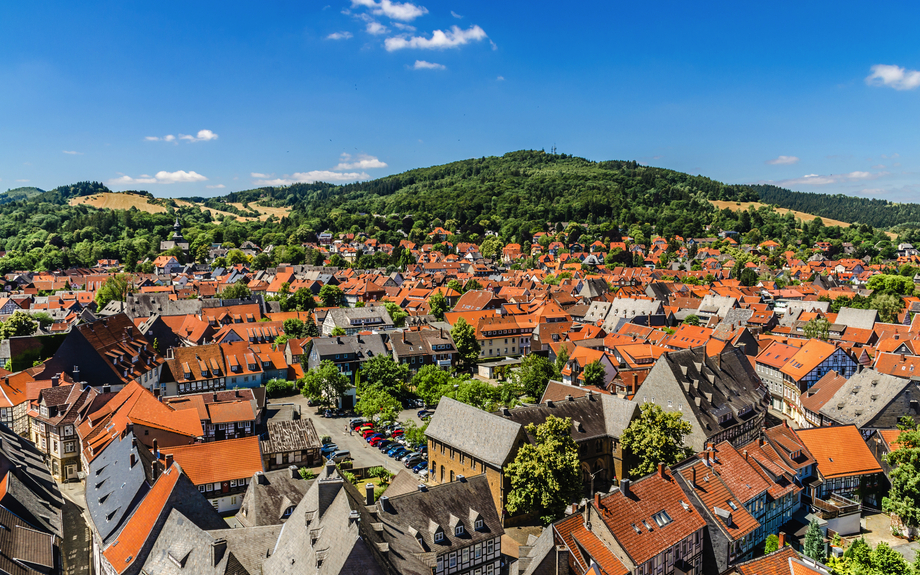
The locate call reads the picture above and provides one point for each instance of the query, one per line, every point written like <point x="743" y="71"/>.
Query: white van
<point x="339" y="456"/>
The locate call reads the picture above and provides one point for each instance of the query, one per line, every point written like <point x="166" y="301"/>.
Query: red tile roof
<point x="582" y="542"/>
<point x="218" y="461"/>
<point x="715" y="495"/>
<point x="840" y="451"/>
<point x="776" y="563"/>
<point x="122" y="552"/>
<point x="231" y="411"/>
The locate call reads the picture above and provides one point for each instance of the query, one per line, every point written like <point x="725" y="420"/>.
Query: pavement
<point x="337" y="428"/>
<point x="76" y="544"/>
<point x="876" y="527"/>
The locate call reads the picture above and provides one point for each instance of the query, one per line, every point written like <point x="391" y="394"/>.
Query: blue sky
<point x="198" y="98"/>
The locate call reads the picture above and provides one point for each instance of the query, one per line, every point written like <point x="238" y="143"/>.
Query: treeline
<point x="874" y="212"/>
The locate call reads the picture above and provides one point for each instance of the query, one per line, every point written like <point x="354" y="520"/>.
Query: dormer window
<point x="288" y="511"/>
<point x="458" y="530"/>
<point x="439" y="537"/>
<point x="479" y="524"/>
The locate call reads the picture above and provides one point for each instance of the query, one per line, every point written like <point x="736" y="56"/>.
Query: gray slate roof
<point x="858" y="318"/>
<point x="182" y="548"/>
<point x="596" y="415"/>
<point x="114" y="488"/>
<point x="474" y="431"/>
<point x="31" y="492"/>
<point x="863" y="396"/>
<point x="267" y="498"/>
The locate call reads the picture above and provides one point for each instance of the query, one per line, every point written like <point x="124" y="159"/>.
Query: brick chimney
<point x="169" y="460"/>
<point x="782" y="540"/>
<point x="597" y="501"/>
<point x="661" y="469"/>
<point x="369" y="494"/>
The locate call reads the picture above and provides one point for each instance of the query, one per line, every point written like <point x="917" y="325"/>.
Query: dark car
<point x="399" y="453"/>
<point x="395" y="449"/>
<point x="385" y="445"/>
<point x="412" y="459"/>
<point x="423" y="412"/>
<point x="423" y="464"/>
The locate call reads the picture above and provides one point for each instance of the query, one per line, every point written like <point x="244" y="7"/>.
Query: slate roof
<point x="269" y="494"/>
<point x="476" y="432"/>
<point x="862" y="396"/>
<point x="290" y="435"/>
<point x="26" y="486"/>
<point x="860" y="318"/>
<point x="593" y="416"/>
<point x="114" y="488"/>
<point x="18" y="541"/>
<point x="182" y="547"/>
<point x="320" y="537"/>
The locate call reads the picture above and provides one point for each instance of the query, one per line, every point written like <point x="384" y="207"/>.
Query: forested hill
<point x="516" y="193"/>
<point x="17" y="194"/>
<point x="876" y="213"/>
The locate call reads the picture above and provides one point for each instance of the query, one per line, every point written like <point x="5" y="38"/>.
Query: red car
<point x="367" y="433"/>
<point x="364" y="427"/>
<point x="376" y="441"/>
<point x="396" y="433"/>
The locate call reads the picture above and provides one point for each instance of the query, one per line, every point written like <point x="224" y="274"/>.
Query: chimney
<point x="169" y="460"/>
<point x="782" y="540"/>
<point x="569" y="398"/>
<point x="384" y="503"/>
<point x="706" y="458"/>
<point x="903" y="357"/>
<point x="55" y="379"/>
<point x="461" y="479"/>
<point x="661" y="469"/>
<point x="624" y="487"/>
<point x="549" y="403"/>
<point x="218" y="548"/>
<point x="261" y="479"/>
<point x="133" y="459"/>
<point x="369" y="494"/>
<point x="694" y="475"/>
<point x="422" y="487"/>
<point x="156" y="448"/>
<point x="153" y="470"/>
<point x="295" y="473"/>
<point x="745" y="455"/>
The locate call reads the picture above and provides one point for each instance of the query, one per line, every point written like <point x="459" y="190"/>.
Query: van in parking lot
<point x="340" y="456"/>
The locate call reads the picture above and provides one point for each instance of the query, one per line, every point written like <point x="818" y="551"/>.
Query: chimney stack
<point x="369" y="494"/>
<point x="156" y="448"/>
<point x="295" y="473"/>
<point x="260" y="478"/>
<point x="694" y="475"/>
<point x="624" y="487"/>
<point x="55" y="379"/>
<point x="782" y="540"/>
<point x="169" y="460"/>
<point x="597" y="501"/>
<point x="661" y="469"/>
<point x="384" y="503"/>
<point x="745" y="455"/>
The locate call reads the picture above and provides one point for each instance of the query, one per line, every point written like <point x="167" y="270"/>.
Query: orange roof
<point x="218" y="461"/>
<point x="776" y="563"/>
<point x="808" y="358"/>
<point x="122" y="552"/>
<point x="231" y="411"/>
<point x="715" y="494"/>
<point x="891" y="437"/>
<point x="578" y="538"/>
<point x="840" y="451"/>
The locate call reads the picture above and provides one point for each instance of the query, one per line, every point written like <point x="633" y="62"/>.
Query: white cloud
<point x="261" y="176"/>
<point x="439" y="39"/>
<point x="404" y="11"/>
<point x="203" y="136"/>
<point x="161" y="177"/>
<point x="423" y="65"/>
<point x="166" y="138"/>
<point x="339" y="36"/>
<point x="894" y="77"/>
<point x="872" y="191"/>
<point x="362" y="162"/>
<point x="217" y="187"/>
<point x="821" y="180"/>
<point x="783" y="161"/>
<point x="309" y="178"/>
<point x="72" y="153"/>
<point x="455" y="15"/>
<point x="878" y="167"/>
<point x="22" y="181"/>
<point x="376" y="28"/>
<point x="500" y="78"/>
<point x="404" y="27"/>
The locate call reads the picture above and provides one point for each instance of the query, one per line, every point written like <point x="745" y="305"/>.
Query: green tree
<point x="397" y="314"/>
<point x="772" y="544"/>
<point x="278" y="387"/>
<point x="472" y="285"/>
<point x="749" y="277"/>
<point x="376" y="404"/>
<point x="437" y="303"/>
<point x="891" y="284"/>
<point x="888" y="306"/>
<point x="814" y="542"/>
<point x="533" y="375"/>
<point x="692" y="319"/>
<point x="415" y="433"/>
<point x="43" y="318"/>
<point x="331" y="296"/>
<point x="817" y="328"/>
<point x="309" y="327"/>
<point x="594" y="374"/>
<point x="17" y="324"/>
<point x="239" y="290"/>
<point x="337" y="331"/>
<point x="431" y="383"/>
<point x="464" y="336"/>
<point x="545" y="474"/>
<point x="115" y="288"/>
<point x="382" y="371"/>
<point x="324" y="382"/>
<point x="562" y="358"/>
<point x="903" y="498"/>
<point x="656" y="436"/>
<point x="294" y="327"/>
<point x="303" y="299"/>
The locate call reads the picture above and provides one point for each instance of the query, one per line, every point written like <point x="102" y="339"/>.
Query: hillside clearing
<point x="266" y="211"/>
<point x="741" y="206"/>
<point x="117" y="201"/>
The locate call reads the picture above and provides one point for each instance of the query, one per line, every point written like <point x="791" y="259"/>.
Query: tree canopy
<point x="656" y="436"/>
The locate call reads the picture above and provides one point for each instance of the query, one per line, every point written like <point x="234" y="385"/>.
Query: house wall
<point x="452" y="460"/>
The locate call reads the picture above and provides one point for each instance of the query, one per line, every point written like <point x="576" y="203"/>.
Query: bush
<point x="325" y="439"/>
<point x="381" y="473"/>
<point x="379" y="491"/>
<point x="307" y="474"/>
<point x="349" y="476"/>
<point x="279" y="387"/>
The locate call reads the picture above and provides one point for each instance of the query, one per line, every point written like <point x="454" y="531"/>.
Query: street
<point x="337" y="428"/>
<point x="76" y="547"/>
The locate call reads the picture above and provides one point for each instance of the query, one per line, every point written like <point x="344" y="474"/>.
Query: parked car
<point x="370" y="438"/>
<point x="385" y="445"/>
<point x="423" y="464"/>
<point x="423" y="473"/>
<point x="354" y="423"/>
<point x="364" y="427"/>
<point x="399" y="453"/>
<point x="328" y="448"/>
<point x="411" y="459"/>
<point x="339" y="456"/>
<point x="329" y="413"/>
<point x="423" y="412"/>
<point x="368" y="432"/>
<point x="375" y="441"/>
<point x="397" y="432"/>
<point x="393" y="450"/>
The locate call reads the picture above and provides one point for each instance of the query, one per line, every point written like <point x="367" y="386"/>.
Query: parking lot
<point x="337" y="428"/>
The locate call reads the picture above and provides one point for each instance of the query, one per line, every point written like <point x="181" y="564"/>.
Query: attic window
<point x="478" y="524"/>
<point x="732" y="505"/>
<point x="439" y="537"/>
<point x="662" y="518"/>
<point x="458" y="531"/>
<point x="636" y="528"/>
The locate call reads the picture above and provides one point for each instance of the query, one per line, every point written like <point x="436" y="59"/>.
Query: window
<point x="490" y="546"/>
<point x="438" y="537"/>
<point x="233" y="483"/>
<point x="69" y="447"/>
<point x="479" y="524"/>
<point x="458" y="530"/>
<point x="452" y="560"/>
<point x="465" y="555"/>
<point x="477" y="551"/>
